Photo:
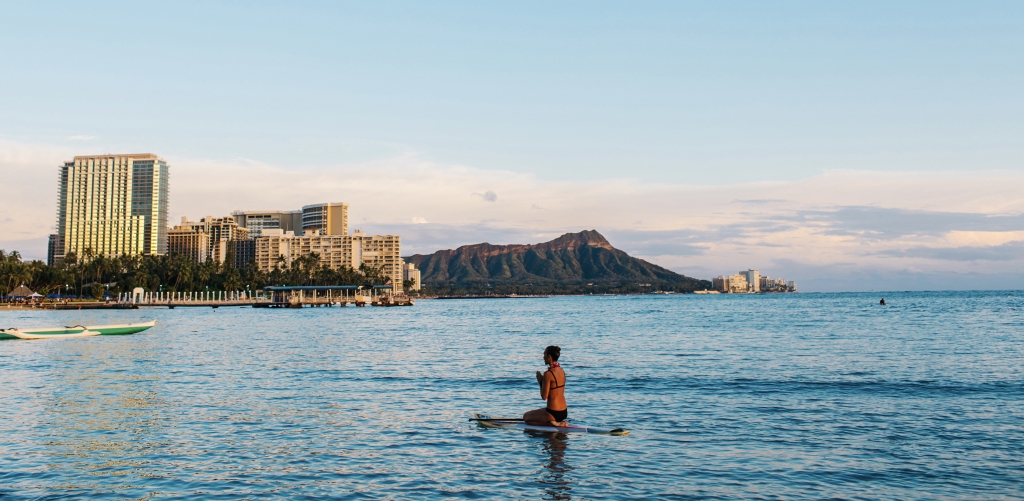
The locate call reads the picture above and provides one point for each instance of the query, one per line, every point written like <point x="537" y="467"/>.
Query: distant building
<point x="257" y="221"/>
<point x="245" y="251"/>
<point x="51" y="250"/>
<point x="113" y="205"/>
<point x="409" y="272"/>
<point x="281" y="237"/>
<point x="189" y="239"/>
<point x="769" y="284"/>
<point x="223" y="233"/>
<point x="215" y="238"/>
<point x="328" y="218"/>
<point x="753" y="280"/>
<point x="277" y="249"/>
<point x="380" y="251"/>
<point x="738" y="283"/>
<point x="719" y="283"/>
<point x="734" y="283"/>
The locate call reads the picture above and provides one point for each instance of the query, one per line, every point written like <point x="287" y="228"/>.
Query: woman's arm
<point x="545" y="383"/>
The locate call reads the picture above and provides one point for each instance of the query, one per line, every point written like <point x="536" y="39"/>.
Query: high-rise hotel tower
<point x="112" y="204"/>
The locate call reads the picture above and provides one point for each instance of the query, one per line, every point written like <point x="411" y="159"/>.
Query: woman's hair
<point x="553" y="352"/>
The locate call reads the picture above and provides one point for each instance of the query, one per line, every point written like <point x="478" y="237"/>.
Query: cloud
<point x="882" y="222"/>
<point x="1010" y="251"/>
<point x="487" y="196"/>
<point x="419" y="220"/>
<point x="81" y="138"/>
<point x="762" y="201"/>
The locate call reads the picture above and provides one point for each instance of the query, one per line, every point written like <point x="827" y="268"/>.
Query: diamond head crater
<point x="574" y="263"/>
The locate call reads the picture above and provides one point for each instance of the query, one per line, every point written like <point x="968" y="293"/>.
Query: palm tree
<point x="206" y="271"/>
<point x="232" y="279"/>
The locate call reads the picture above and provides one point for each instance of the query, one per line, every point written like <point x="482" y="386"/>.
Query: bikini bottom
<point x="559" y="415"/>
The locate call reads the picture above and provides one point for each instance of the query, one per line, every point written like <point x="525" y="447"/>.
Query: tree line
<point x="92" y="275"/>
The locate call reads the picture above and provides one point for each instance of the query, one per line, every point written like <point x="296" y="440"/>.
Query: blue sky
<point x="666" y="95"/>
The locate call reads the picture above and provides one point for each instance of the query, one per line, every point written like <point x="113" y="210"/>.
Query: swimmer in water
<point x="882" y="302"/>
<point x="552" y="389"/>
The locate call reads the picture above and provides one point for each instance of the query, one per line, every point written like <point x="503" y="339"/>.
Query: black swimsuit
<point x="564" y="413"/>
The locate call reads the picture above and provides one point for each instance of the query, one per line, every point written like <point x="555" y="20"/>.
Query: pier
<point x="300" y="296"/>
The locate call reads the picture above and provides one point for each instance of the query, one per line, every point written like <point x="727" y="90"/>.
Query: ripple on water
<point x="803" y="396"/>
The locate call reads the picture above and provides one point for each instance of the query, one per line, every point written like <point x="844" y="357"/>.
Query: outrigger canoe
<point x="76" y="331"/>
<point x="16" y="334"/>
<point x="511" y="423"/>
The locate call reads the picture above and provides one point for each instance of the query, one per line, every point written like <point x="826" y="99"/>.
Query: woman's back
<point x="555" y="378"/>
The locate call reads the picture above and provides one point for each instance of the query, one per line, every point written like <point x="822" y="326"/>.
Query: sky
<point x="846" y="146"/>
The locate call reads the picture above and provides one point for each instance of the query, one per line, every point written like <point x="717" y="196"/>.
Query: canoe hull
<point x="99" y="330"/>
<point x="121" y="330"/>
<point x="16" y="334"/>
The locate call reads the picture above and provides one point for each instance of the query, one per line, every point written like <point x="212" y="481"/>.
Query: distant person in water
<point x="882" y="302"/>
<point x="552" y="389"/>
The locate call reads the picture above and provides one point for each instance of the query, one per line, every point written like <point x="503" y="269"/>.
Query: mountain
<point x="572" y="263"/>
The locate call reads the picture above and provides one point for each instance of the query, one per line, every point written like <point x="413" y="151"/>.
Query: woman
<point x="552" y="389"/>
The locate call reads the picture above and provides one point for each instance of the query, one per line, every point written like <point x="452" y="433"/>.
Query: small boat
<point x="512" y="423"/>
<point x="16" y="334"/>
<point x="71" y="331"/>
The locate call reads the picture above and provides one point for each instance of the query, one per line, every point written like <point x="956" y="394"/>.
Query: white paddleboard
<point x="489" y="422"/>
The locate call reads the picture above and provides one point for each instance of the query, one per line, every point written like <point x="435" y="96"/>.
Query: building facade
<point x="51" y="250"/>
<point x="769" y="284"/>
<point x="245" y="252"/>
<point x="734" y="283"/>
<point x="217" y="238"/>
<point x="224" y="231"/>
<point x="329" y="218"/>
<point x="753" y="280"/>
<point x="189" y="239"/>
<point x="255" y="221"/>
<point x="277" y="249"/>
<point x="409" y="272"/>
<point x="112" y="205"/>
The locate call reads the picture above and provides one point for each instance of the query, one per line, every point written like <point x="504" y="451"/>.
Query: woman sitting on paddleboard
<point x="552" y="389"/>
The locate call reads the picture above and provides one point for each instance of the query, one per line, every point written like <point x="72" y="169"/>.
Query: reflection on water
<point x="804" y="396"/>
<point x="555" y="477"/>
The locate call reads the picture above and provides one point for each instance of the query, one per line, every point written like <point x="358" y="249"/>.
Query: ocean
<point x="787" y="396"/>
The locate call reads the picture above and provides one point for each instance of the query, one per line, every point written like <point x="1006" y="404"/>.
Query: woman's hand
<point x="540" y="378"/>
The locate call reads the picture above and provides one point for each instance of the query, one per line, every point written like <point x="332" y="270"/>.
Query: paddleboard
<point x="511" y="423"/>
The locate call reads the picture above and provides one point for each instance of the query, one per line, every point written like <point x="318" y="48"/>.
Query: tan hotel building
<point x="113" y="205"/>
<point x="211" y="237"/>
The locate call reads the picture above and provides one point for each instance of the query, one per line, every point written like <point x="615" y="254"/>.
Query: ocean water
<point x="799" y="396"/>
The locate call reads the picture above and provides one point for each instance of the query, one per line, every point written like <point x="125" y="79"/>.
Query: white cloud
<point x="854" y="224"/>
<point x="487" y="196"/>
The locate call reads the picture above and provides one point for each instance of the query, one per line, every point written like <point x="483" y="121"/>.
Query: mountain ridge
<point x="574" y="262"/>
